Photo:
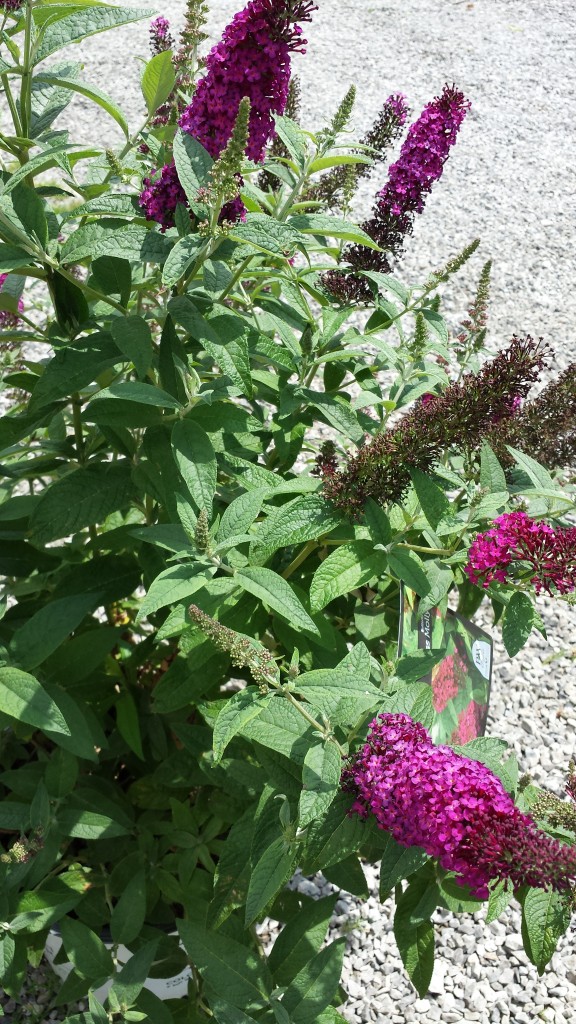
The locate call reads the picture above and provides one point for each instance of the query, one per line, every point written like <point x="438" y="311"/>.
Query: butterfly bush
<point x="410" y="179"/>
<point x="455" y="808"/>
<point x="518" y="544"/>
<point x="252" y="59"/>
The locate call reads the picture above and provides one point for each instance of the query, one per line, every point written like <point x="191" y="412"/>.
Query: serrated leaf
<point x="227" y="344"/>
<point x="409" y="568"/>
<point x="111" y="237"/>
<point x="348" y="567"/>
<point x="415" y="940"/>
<point x="193" y="164"/>
<point x="332" y="836"/>
<point x="129" y="981"/>
<point x="315" y="986"/>
<point x="267" y="235"/>
<point x="181" y="258"/>
<point x="86" y="951"/>
<point x="292" y="136"/>
<point x="299" y="939"/>
<point x="321" y="773"/>
<point x="23" y="698"/>
<point x="282" y="728"/>
<point x="492" y="476"/>
<point x="305" y="518"/>
<point x="437" y="324"/>
<point x="83" y="498"/>
<point x="176" y="583"/>
<point x="545" y="918"/>
<point x="227" y="966"/>
<point x="242" y="708"/>
<point x="90" y="92"/>
<point x="158" y="80"/>
<point x="501" y="895"/>
<point x="129" y="914"/>
<point x="413" y="667"/>
<point x="398" y="862"/>
<point x="86" y="22"/>
<point x="133" y="337"/>
<point x="44" y="631"/>
<point x="241" y="513"/>
<point x="333" y="227"/>
<point x="277" y="593"/>
<point x="268" y="876"/>
<point x="325" y="688"/>
<point x="195" y="457"/>
<point x="518" y="622"/>
<point x="433" y="502"/>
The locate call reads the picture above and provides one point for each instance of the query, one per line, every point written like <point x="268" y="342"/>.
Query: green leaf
<point x="545" y="918"/>
<point x="227" y="966"/>
<point x="326" y="687"/>
<point x="134" y="339"/>
<point x="267" y="878"/>
<point x="136" y="242"/>
<point x="225" y="1013"/>
<point x="12" y="258"/>
<point x="193" y="164"/>
<point x="83" y="23"/>
<point x="90" y="92"/>
<point x="305" y="518"/>
<point x="320" y="781"/>
<point x="158" y="80"/>
<point x="398" y="862"/>
<point x="281" y="727"/>
<point x="26" y="208"/>
<point x="333" y="836"/>
<point x="267" y="235"/>
<point x="176" y="583"/>
<point x="300" y="939"/>
<point x="413" y="667"/>
<point x="227" y="344"/>
<point x="277" y="593"/>
<point x="129" y="982"/>
<point x="22" y="697"/>
<point x="291" y="134"/>
<point x="414" y="935"/>
<point x="433" y="502"/>
<point x="436" y="323"/>
<point x="440" y="579"/>
<point x="518" y="622"/>
<point x="83" y="498"/>
<point x="501" y="896"/>
<point x="492" y="476"/>
<point x="240" y="514"/>
<point x="409" y="568"/>
<point x="182" y="256"/>
<point x="315" y="986"/>
<point x="348" y="567"/>
<point x="89" y="825"/>
<point x="233" y="869"/>
<point x="333" y="227"/>
<point x="378" y="523"/>
<point x="539" y="476"/>
<point x="335" y="410"/>
<point x="72" y="369"/>
<point x="44" y="631"/>
<point x="86" y="951"/>
<point x="349" y="875"/>
<point x="196" y="460"/>
<point x="40" y="162"/>
<point x="242" y="707"/>
<point x="129" y="914"/>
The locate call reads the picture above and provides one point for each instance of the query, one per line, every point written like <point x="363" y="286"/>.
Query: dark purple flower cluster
<point x="419" y="165"/>
<point x="11" y="5"/>
<point x="9" y="320"/>
<point x="460" y="416"/>
<point x="160" y="37"/>
<point x="455" y="808"/>
<point x="544" y="427"/>
<point x="252" y="59"/>
<point x="517" y="547"/>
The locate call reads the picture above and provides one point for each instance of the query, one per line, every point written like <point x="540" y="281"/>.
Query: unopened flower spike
<point x="244" y="651"/>
<point x="458" y="417"/>
<point x="160" y="37"/>
<point x="225" y="178"/>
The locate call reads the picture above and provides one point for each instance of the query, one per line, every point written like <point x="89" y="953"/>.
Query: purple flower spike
<point x="454" y="808"/>
<point x="252" y="59"/>
<point x="516" y="538"/>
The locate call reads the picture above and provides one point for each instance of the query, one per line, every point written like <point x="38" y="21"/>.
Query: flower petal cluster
<point x="252" y="59"/>
<point x="7" y="319"/>
<point x="11" y="5"/>
<point x="459" y="416"/>
<point x="410" y="179"/>
<point x="160" y="36"/>
<point x="518" y="544"/>
<point x="453" y="807"/>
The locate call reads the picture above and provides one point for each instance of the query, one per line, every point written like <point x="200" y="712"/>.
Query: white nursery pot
<point x="164" y="988"/>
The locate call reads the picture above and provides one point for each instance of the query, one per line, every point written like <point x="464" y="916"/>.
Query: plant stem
<point x="78" y="431"/>
<point x="301" y="557"/>
<point x="425" y="550"/>
<point x="12" y="105"/>
<point x="26" y="86"/>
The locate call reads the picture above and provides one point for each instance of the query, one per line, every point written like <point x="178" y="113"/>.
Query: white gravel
<point x="509" y="180"/>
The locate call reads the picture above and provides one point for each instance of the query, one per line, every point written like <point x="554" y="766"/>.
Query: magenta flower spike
<point x="252" y="59"/>
<point x="518" y="541"/>
<point x="454" y="808"/>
